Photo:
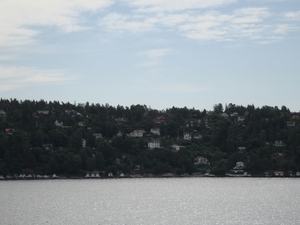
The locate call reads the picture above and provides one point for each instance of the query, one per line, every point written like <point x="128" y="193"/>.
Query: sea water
<point x="151" y="201"/>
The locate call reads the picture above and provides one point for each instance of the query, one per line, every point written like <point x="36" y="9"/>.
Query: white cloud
<point x="118" y="22"/>
<point x="175" y="5"/>
<point x="181" y="88"/>
<point x="293" y="15"/>
<point x="155" y="53"/>
<point x="153" y="56"/>
<point x="20" y="77"/>
<point x="17" y="18"/>
<point x="251" y="23"/>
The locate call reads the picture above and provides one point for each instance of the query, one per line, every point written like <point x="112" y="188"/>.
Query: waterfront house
<point x="278" y="173"/>
<point x="200" y="160"/>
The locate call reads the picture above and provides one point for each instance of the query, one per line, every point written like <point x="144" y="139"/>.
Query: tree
<point x="218" y="108"/>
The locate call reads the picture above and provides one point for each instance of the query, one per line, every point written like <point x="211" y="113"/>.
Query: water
<point x="151" y="201"/>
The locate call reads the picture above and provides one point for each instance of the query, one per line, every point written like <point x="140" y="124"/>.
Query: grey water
<point x="151" y="201"/>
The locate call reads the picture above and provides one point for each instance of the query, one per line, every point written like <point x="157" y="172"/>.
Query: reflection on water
<point x="151" y="201"/>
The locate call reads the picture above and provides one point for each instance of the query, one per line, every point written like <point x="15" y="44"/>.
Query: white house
<point x="155" y="131"/>
<point x="154" y="143"/>
<point x="59" y="124"/>
<point x="187" y="136"/>
<point x="200" y="160"/>
<point x="97" y="135"/>
<point x="279" y="144"/>
<point x="239" y="166"/>
<point x="241" y="118"/>
<point x="196" y="135"/>
<point x="137" y="133"/>
<point x="83" y="143"/>
<point x="235" y="114"/>
<point x="224" y="115"/>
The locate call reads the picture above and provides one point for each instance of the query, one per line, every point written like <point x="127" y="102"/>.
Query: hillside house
<point x="290" y="123"/>
<point x="137" y="133"/>
<point x="97" y="135"/>
<point x="58" y="124"/>
<point x="2" y="113"/>
<point x="155" y="131"/>
<point x="241" y="149"/>
<point x="154" y="143"/>
<point x="200" y="160"/>
<point x="187" y="136"/>
<point x="161" y="119"/>
<point x="279" y="143"/>
<point x="197" y="136"/>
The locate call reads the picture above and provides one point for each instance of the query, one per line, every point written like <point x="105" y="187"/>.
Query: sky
<point x="159" y="53"/>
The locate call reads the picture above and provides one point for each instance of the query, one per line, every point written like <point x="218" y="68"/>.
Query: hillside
<point x="39" y="137"/>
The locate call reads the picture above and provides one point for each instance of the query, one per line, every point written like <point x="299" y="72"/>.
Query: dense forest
<point x="40" y="137"/>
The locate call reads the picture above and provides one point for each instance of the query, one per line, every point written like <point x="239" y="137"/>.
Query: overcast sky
<point x="160" y="53"/>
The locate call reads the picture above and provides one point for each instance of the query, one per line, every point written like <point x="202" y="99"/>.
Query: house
<point x="2" y="113"/>
<point x="235" y="114"/>
<point x="290" y="123"/>
<point x="241" y="149"/>
<point x="241" y="118"/>
<point x="161" y="119"/>
<point x="42" y="112"/>
<point x="197" y="136"/>
<point x="47" y="146"/>
<point x="155" y="131"/>
<point x="97" y="135"/>
<point x="137" y="167"/>
<point x="187" y="136"/>
<point x="120" y="120"/>
<point x="137" y="133"/>
<point x="199" y="160"/>
<point x="110" y="174"/>
<point x="239" y="166"/>
<point x="81" y="124"/>
<point x="83" y="143"/>
<point x="278" y="173"/>
<point x="9" y="131"/>
<point x="154" y="143"/>
<point x="59" y="124"/>
<point x="177" y="147"/>
<point x="72" y="112"/>
<point x="279" y="143"/>
<point x="225" y="115"/>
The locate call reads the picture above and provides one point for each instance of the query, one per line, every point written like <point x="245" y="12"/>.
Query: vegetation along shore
<point x="54" y="140"/>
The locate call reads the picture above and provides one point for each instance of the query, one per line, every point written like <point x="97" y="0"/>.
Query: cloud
<point x="153" y="56"/>
<point x="293" y="15"/>
<point x="175" y="5"/>
<point x="251" y="23"/>
<point x="19" y="77"/>
<point x="18" y="18"/>
<point x="155" y="53"/>
<point x="180" y="88"/>
<point x="118" y="22"/>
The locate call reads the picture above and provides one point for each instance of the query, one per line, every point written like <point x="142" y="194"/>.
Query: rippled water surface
<point x="151" y="201"/>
